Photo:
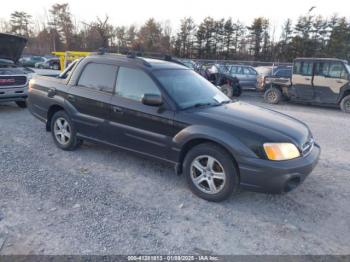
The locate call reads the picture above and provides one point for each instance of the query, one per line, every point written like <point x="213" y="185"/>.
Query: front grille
<point x="8" y="81"/>
<point x="307" y="147"/>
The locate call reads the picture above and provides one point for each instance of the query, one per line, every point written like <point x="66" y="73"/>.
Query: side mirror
<point x="152" y="100"/>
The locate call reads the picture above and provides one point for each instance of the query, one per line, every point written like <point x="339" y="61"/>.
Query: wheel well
<point x="53" y="109"/>
<point x="346" y="93"/>
<point x="195" y="142"/>
<point x="279" y="87"/>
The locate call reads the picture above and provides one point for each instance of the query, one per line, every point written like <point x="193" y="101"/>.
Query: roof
<point x="321" y="59"/>
<point x="148" y="63"/>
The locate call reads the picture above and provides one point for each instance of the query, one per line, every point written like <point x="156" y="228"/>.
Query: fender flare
<point x="228" y="141"/>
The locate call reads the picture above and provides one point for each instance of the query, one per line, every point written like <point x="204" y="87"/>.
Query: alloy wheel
<point x="62" y="131"/>
<point x="207" y="174"/>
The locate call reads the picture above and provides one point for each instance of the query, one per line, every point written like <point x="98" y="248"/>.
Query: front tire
<point x="345" y="104"/>
<point x="210" y="172"/>
<point x="273" y="95"/>
<point x="21" y="104"/>
<point x="64" y="132"/>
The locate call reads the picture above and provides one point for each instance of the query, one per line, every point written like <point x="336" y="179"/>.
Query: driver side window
<point x="134" y="83"/>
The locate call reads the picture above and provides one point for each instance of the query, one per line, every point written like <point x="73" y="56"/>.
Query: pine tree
<point x="20" y="23"/>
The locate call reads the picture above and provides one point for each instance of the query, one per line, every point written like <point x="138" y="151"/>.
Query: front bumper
<point x="13" y="94"/>
<point x="276" y="176"/>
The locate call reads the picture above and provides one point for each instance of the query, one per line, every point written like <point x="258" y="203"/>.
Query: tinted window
<point x="187" y="88"/>
<point x="99" y="77"/>
<point x="134" y="83"/>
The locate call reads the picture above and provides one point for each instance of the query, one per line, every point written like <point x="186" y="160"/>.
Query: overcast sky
<point x="127" y="12"/>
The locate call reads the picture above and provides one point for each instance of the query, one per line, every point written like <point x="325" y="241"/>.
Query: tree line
<point x="210" y="39"/>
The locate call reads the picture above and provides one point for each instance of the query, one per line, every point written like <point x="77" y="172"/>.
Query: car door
<point x="302" y="80"/>
<point x="250" y="75"/>
<point x="237" y="71"/>
<point x="282" y="77"/>
<point x="91" y="97"/>
<point x="329" y="78"/>
<point x="135" y="126"/>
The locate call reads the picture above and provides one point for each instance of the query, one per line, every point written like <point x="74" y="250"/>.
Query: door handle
<point x="117" y="109"/>
<point x="51" y="92"/>
<point x="308" y="79"/>
<point x="71" y="98"/>
<point x="340" y="82"/>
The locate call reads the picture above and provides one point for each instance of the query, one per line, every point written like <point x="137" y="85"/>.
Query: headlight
<point x="281" y="151"/>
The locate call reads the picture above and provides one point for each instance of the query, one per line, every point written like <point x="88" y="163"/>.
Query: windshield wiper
<point x="198" y="105"/>
<point x="223" y="102"/>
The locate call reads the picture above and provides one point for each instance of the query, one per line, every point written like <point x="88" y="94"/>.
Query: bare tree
<point x="105" y="30"/>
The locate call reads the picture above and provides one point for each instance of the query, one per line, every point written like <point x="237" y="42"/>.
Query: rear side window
<point x="99" y="77"/>
<point x="239" y="70"/>
<point x="331" y="69"/>
<point x="134" y="83"/>
<point x="283" y="73"/>
<point x="306" y="69"/>
<point x="233" y="70"/>
<point x="247" y="71"/>
<point x="322" y="69"/>
<point x="303" y="68"/>
<point x="337" y="70"/>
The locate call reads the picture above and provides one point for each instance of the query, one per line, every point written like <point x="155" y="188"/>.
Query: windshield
<point x="189" y="89"/>
<point x="66" y="73"/>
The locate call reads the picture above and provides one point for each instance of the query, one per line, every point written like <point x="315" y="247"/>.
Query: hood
<point x="271" y="125"/>
<point x="11" y="47"/>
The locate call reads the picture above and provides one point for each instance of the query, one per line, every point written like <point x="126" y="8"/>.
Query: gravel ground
<point x="98" y="200"/>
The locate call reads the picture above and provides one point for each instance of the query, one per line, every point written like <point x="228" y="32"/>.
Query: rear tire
<point x="345" y="104"/>
<point x="210" y="172"/>
<point x="21" y="104"/>
<point x="227" y="90"/>
<point x="64" y="132"/>
<point x="273" y="95"/>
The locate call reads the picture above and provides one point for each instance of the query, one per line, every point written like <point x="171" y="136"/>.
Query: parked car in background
<point x="30" y="61"/>
<point x="167" y="111"/>
<point x="246" y="75"/>
<point x="278" y="76"/>
<point x="13" y="77"/>
<point x="50" y="63"/>
<point x="218" y="76"/>
<point x="321" y="81"/>
<point x="188" y="63"/>
<point x="265" y="72"/>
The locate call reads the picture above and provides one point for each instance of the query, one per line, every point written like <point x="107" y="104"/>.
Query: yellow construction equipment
<point x="69" y="56"/>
